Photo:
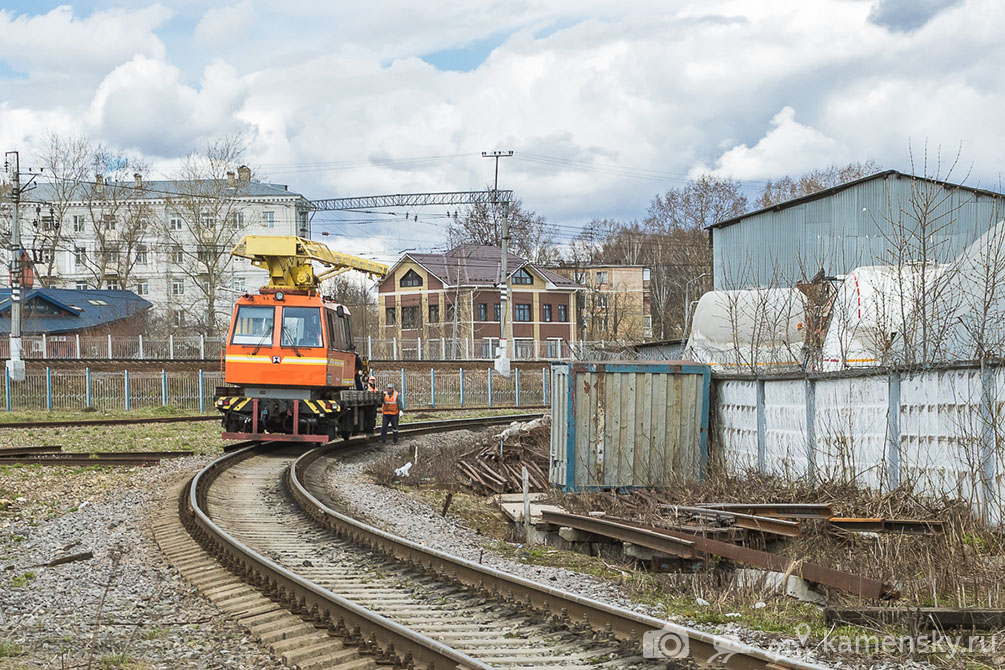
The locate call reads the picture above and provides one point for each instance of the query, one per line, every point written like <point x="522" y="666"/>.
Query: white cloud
<point x="59" y="42"/>
<point x="144" y="105"/>
<point x="788" y="148"/>
<point x="223" y="25"/>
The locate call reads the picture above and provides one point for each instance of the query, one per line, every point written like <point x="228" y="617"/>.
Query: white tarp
<point x="755" y="328"/>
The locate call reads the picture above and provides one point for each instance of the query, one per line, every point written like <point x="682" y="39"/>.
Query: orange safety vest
<point x="390" y="403"/>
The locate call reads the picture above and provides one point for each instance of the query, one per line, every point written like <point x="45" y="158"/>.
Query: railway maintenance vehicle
<point x="291" y="367"/>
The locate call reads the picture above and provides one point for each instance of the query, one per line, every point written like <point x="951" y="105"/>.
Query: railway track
<point x="366" y="596"/>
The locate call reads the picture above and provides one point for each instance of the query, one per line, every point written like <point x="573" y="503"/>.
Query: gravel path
<point x="151" y="617"/>
<point x="399" y="512"/>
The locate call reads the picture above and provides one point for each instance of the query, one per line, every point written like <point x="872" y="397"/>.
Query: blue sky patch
<point x="466" y="58"/>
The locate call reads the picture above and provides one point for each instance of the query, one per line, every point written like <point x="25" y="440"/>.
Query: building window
<point x="451" y="313"/>
<point x="563" y="313"/>
<point x="483" y="311"/>
<point x="602" y="277"/>
<point x="78" y="223"/>
<point x="239" y="284"/>
<point x="179" y="319"/>
<point x="411" y="317"/>
<point x="269" y="219"/>
<point x="521" y="312"/>
<point x="208" y="220"/>
<point x="178" y="287"/>
<point x="411" y="278"/>
<point x="238" y="219"/>
<point x="143" y="288"/>
<point x="434" y="314"/>
<point x="113" y="285"/>
<point x="79" y="255"/>
<point x="497" y="313"/>
<point x="601" y="301"/>
<point x="546" y="312"/>
<point x="206" y="255"/>
<point x="111" y="256"/>
<point x="141" y="255"/>
<point x="389" y="316"/>
<point x="302" y="223"/>
<point x="174" y="223"/>
<point x="81" y="286"/>
<point x="521" y="276"/>
<point x="177" y="255"/>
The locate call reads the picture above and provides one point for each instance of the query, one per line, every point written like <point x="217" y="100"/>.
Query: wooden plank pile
<point x="497" y="466"/>
<point x="488" y="472"/>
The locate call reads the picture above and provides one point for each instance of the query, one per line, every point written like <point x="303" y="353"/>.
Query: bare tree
<point x="787" y="188"/>
<point x="205" y="220"/>
<point x="66" y="162"/>
<point x="117" y="217"/>
<point x="358" y="295"/>
<point x="531" y="237"/>
<point x="677" y="250"/>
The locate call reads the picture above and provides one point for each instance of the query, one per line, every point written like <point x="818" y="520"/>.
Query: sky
<point x="604" y="104"/>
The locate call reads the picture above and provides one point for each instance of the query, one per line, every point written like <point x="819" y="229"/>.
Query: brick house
<point x="455" y="296"/>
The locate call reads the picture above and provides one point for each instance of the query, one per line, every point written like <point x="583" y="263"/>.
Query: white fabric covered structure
<point x="749" y="329"/>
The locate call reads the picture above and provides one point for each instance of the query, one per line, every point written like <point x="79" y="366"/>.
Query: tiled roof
<point x="480" y="265"/>
<point x="77" y="309"/>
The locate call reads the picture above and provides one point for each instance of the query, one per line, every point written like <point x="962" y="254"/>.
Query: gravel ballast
<point x="125" y="607"/>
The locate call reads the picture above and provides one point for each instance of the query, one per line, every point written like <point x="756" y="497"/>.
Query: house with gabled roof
<point x="455" y="295"/>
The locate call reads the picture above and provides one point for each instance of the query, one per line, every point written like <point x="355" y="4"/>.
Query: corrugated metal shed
<point x="663" y="350"/>
<point x="842" y="228"/>
<point x="627" y="424"/>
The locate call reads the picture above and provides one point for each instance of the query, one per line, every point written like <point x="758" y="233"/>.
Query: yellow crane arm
<point x="288" y="260"/>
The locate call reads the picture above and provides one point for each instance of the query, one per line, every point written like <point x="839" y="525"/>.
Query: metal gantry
<point x="411" y="200"/>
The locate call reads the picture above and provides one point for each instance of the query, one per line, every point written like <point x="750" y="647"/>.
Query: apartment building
<point x="614" y="304"/>
<point x="167" y="241"/>
<point x="456" y="296"/>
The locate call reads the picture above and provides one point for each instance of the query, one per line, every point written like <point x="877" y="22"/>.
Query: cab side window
<point x="347" y="332"/>
<point x="334" y="332"/>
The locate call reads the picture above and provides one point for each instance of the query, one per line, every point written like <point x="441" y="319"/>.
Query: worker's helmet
<point x="390" y="385"/>
<point x="372" y="379"/>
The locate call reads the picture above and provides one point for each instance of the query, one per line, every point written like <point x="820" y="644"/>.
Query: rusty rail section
<point x="763" y="524"/>
<point x="780" y="510"/>
<point x="589" y="615"/>
<point x="691" y="546"/>
<point x="905" y="526"/>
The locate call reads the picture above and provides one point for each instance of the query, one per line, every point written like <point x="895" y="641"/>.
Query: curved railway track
<point x="366" y="596"/>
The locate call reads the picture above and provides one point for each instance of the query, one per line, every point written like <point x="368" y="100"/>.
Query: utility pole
<point x="15" y="364"/>
<point x="502" y="358"/>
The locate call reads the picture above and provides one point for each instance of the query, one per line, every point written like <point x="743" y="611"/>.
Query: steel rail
<point x="628" y="626"/>
<point x="388" y="640"/>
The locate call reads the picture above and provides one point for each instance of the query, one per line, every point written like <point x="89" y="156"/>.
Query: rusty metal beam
<point x="780" y="510"/>
<point x="763" y="524"/>
<point x="905" y="526"/>
<point x="861" y="586"/>
<point x="941" y="618"/>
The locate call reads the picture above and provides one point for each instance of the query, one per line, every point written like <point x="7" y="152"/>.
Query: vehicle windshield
<point x="253" y="325"/>
<point x="301" y="327"/>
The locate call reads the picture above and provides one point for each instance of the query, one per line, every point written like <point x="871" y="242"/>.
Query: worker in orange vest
<point x="371" y="384"/>
<point x="392" y="411"/>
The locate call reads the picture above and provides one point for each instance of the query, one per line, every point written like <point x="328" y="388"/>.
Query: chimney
<point x="99" y="183"/>
<point x="244" y="173"/>
<point x="137" y="180"/>
<point x="230" y="179"/>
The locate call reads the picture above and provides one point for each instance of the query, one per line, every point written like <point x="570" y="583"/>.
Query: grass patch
<point x="10" y="649"/>
<point x="34" y="415"/>
<point x="22" y="580"/>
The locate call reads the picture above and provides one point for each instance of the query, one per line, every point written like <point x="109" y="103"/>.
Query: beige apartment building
<point x="614" y="304"/>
